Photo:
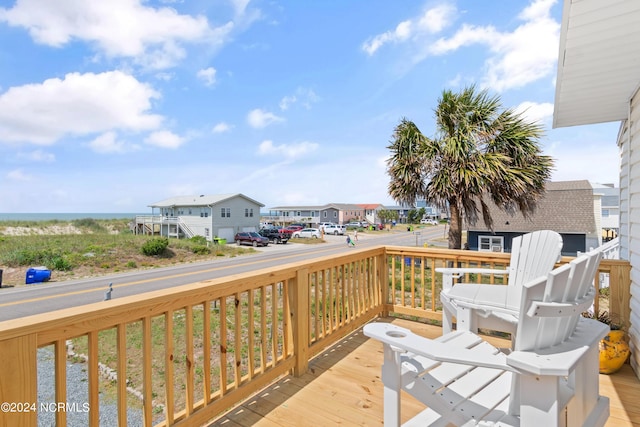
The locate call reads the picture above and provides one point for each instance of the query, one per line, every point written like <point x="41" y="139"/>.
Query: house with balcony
<point x="217" y="216"/>
<point x="571" y="208"/>
<point x="598" y="81"/>
<point x="312" y="216"/>
<point x="371" y="212"/>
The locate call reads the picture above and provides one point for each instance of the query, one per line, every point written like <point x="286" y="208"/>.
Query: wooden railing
<point x="183" y="355"/>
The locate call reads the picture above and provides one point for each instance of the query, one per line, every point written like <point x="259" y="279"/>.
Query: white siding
<point x="629" y="141"/>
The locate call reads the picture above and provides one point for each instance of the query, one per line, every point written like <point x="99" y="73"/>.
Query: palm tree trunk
<point x="455" y="225"/>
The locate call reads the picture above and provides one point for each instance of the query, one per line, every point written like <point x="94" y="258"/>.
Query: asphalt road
<point x="49" y="296"/>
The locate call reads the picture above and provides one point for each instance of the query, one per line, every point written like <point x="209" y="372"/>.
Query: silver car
<point x="306" y="233"/>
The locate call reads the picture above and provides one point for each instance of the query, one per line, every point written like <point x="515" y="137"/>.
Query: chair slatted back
<point x="533" y="255"/>
<point x="564" y="292"/>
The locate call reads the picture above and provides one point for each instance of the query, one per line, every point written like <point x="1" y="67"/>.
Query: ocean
<point x="65" y="216"/>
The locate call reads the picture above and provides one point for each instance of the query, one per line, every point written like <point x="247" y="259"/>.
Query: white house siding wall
<point x="629" y="141"/>
<point x="238" y="219"/>
<point x="199" y="224"/>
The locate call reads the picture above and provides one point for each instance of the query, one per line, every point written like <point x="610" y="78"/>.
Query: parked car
<point x="429" y="221"/>
<point x="251" y="238"/>
<point x="324" y="224"/>
<point x="356" y="224"/>
<point x="275" y="234"/>
<point x="306" y="233"/>
<point x="294" y="227"/>
<point x="334" y="229"/>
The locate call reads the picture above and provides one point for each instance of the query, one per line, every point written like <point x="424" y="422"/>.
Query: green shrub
<point x="155" y="246"/>
<point x="198" y="240"/>
<point x="61" y="264"/>
<point x="201" y="249"/>
<point x="131" y="264"/>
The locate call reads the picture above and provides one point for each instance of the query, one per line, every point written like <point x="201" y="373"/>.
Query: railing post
<point x="620" y="292"/>
<point x="383" y="281"/>
<point x="299" y="305"/>
<point x="19" y="387"/>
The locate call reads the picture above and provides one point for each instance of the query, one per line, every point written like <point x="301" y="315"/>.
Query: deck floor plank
<point x="343" y="387"/>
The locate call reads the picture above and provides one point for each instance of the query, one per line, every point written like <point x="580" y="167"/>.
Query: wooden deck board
<point x="343" y="387"/>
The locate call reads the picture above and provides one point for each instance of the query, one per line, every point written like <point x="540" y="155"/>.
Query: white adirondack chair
<point x="549" y="379"/>
<point x="496" y="306"/>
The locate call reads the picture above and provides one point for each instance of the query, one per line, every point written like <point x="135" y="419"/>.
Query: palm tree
<point x="480" y="152"/>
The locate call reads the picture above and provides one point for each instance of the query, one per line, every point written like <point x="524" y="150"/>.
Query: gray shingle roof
<point x="567" y="207"/>
<point x="201" y="200"/>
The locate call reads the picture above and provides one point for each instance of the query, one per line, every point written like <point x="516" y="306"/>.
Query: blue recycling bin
<point x="37" y="275"/>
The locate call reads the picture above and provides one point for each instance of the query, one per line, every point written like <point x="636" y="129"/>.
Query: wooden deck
<point x="343" y="387"/>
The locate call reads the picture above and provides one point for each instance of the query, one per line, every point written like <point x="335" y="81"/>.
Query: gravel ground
<point x="77" y="396"/>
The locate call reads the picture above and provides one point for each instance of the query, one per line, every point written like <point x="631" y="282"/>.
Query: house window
<point x="251" y="213"/>
<point x="324" y="214"/>
<point x="206" y="232"/>
<point x="248" y="213"/>
<point x="491" y="243"/>
<point x="298" y="213"/>
<point x="225" y="212"/>
<point x="335" y="214"/>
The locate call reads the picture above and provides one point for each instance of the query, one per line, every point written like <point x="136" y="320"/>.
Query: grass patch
<point x="99" y="247"/>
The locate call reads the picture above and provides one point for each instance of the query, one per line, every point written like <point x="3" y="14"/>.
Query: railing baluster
<point x="121" y="366"/>
<point x="237" y="329"/>
<point x="61" y="379"/>
<point x="223" y="346"/>
<point x="168" y="366"/>
<point x="206" y="349"/>
<point x="94" y="389"/>
<point x="189" y="359"/>
<point x="251" y="338"/>
<point x="147" y="385"/>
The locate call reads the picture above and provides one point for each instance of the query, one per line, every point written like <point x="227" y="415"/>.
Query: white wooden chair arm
<point x="452" y="350"/>
<point x="544" y="309"/>
<point x="561" y="359"/>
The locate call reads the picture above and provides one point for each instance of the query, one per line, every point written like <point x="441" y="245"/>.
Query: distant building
<point x="339" y="213"/>
<point x="571" y="208"/>
<point x="610" y="210"/>
<point x="210" y="216"/>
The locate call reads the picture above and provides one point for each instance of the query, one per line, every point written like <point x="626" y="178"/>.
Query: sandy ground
<point x="50" y="229"/>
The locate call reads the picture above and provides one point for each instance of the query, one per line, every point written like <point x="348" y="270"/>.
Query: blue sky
<point x="112" y="106"/>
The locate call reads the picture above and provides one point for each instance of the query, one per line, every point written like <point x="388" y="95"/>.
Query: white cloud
<point x="517" y="58"/>
<point x="303" y="96"/>
<point x="208" y="76"/>
<point x="222" y="127"/>
<point x="79" y="104"/>
<point x="108" y="143"/>
<point x="18" y="175"/>
<point x="290" y="151"/>
<point x="432" y="21"/>
<point x="165" y="139"/>
<point x="536" y="112"/>
<point x="151" y="36"/>
<point x="38" y="156"/>
<point x="287" y="101"/>
<point x="259" y="118"/>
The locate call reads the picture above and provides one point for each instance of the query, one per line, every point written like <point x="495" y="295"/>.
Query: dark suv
<point x="251" y="238"/>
